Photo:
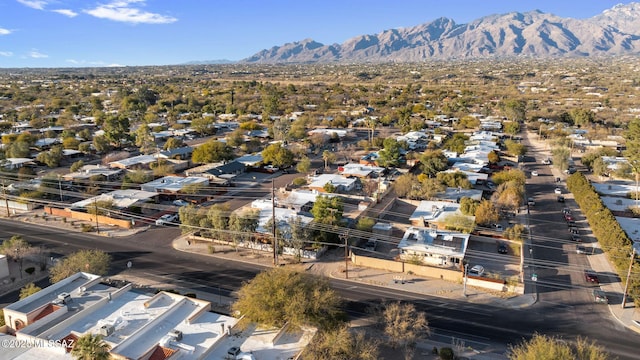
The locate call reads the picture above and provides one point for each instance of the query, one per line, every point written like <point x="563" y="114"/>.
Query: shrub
<point x="446" y="354"/>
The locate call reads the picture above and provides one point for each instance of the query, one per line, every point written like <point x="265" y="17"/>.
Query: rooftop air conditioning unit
<point x="64" y="297"/>
<point x="106" y="330"/>
<point x="175" y="334"/>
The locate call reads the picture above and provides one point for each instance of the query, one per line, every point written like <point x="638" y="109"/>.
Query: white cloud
<point x="34" y="4"/>
<point x="37" y="55"/>
<point x="6" y="53"/>
<point x="66" y="12"/>
<point x="5" y="31"/>
<point x="126" y="11"/>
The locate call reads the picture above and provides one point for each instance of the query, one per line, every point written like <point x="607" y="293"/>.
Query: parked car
<point x="166" y="219"/>
<point x="546" y="161"/>
<point x="580" y="249"/>
<point x="557" y="191"/>
<point x="503" y="248"/>
<point x="576" y="238"/>
<point x="574" y="230"/>
<point x="180" y="202"/>
<point x="591" y="277"/>
<point x="566" y="211"/>
<point x="497" y="227"/>
<point x="534" y="173"/>
<point x="477" y="270"/>
<point x="568" y="217"/>
<point x="560" y="199"/>
<point x="600" y="296"/>
<point x="531" y="202"/>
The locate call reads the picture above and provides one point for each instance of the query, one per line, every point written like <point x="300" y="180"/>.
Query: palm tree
<point x="328" y="158"/>
<point x="91" y="347"/>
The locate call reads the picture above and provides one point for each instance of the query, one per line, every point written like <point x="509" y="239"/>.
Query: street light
<point x="345" y="237"/>
<point x="635" y="248"/>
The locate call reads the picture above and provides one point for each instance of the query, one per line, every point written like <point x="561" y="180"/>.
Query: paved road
<point x="483" y="325"/>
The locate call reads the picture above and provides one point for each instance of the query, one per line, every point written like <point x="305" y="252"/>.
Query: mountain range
<point x="532" y="34"/>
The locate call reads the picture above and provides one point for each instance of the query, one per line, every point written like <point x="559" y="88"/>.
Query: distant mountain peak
<point x="615" y="31"/>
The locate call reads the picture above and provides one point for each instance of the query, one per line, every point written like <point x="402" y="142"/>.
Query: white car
<point x="166" y="219"/>
<point x="557" y="191"/>
<point x="477" y="270"/>
<point x="180" y="202"/>
<point x="534" y="173"/>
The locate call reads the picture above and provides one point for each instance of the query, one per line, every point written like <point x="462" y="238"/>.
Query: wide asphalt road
<point x="480" y="326"/>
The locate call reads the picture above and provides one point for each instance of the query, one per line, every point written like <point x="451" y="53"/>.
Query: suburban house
<point x="88" y="171"/>
<point x="340" y="182"/>
<point x="433" y="214"/>
<point x="456" y="194"/>
<point x="360" y="171"/>
<point x="173" y="184"/>
<point x="140" y="162"/>
<point x="475" y="178"/>
<point x="283" y="216"/>
<point x="134" y="325"/>
<point x="121" y="199"/>
<point x="298" y="200"/>
<point x="250" y="160"/>
<point x="218" y="173"/>
<point x="433" y="247"/>
<point x="181" y="153"/>
<point x="16" y="163"/>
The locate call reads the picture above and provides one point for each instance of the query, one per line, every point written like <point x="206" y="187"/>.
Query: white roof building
<point x="173" y="184"/>
<point x="358" y="170"/>
<point x="434" y="247"/>
<point x="121" y="199"/>
<point x="433" y="213"/>
<point x="340" y="182"/>
<point x="135" y="325"/>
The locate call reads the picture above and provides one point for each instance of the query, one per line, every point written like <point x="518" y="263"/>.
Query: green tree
<point x="599" y="167"/>
<point x="29" y="290"/>
<point x="456" y="143"/>
<point x="90" y="347"/>
<point x="468" y="206"/>
<point x="116" y="130"/>
<point x="454" y="179"/>
<point x="70" y="143"/>
<point x="581" y="117"/>
<point x="515" y="148"/>
<point x="52" y="157"/>
<point x="212" y="151"/>
<point x="76" y="166"/>
<point x="277" y="155"/>
<point x="632" y="152"/>
<point x="304" y="165"/>
<point x="515" y="232"/>
<point x="486" y="213"/>
<point x="280" y="296"/>
<point x="17" y="248"/>
<point x="514" y="110"/>
<point x="403" y="326"/>
<point x="235" y="138"/>
<point x="542" y="347"/>
<point x="561" y="157"/>
<point x="341" y="344"/>
<point x="327" y="210"/>
<point x="173" y="143"/>
<point x="390" y="155"/>
<point x="101" y="144"/>
<point x="512" y="127"/>
<point x="144" y="139"/>
<point x="432" y="162"/>
<point x="328" y="157"/>
<point x="89" y="261"/>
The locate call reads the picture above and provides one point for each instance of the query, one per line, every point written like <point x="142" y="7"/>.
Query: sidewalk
<point x="598" y="261"/>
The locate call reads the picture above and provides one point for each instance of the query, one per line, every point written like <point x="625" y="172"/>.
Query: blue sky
<point x="85" y="33"/>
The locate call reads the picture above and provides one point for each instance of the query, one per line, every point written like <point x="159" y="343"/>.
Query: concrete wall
<point x="4" y="266"/>
<point x="434" y="272"/>
<point x="102" y="220"/>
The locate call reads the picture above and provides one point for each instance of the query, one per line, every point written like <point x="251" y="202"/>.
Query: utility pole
<point x="626" y="285"/>
<point x="6" y="199"/>
<point x="274" y="227"/>
<point x="345" y="237"/>
<point x="60" y="188"/>
<point x="464" y="282"/>
<point x="95" y="205"/>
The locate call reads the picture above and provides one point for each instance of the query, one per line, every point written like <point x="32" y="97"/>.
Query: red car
<point x="591" y="277"/>
<point x="568" y="217"/>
